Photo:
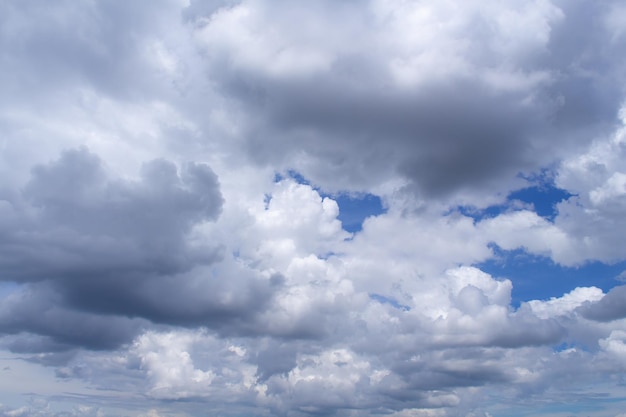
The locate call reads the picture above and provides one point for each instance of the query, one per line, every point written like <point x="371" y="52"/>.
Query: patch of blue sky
<point x="578" y="345"/>
<point x="543" y="196"/>
<point x="354" y="208"/>
<point x="266" y="200"/>
<point x="7" y="288"/>
<point x="294" y="175"/>
<point x="563" y="347"/>
<point x="388" y="300"/>
<point x="539" y="278"/>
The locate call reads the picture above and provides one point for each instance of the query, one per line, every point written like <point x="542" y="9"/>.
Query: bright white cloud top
<point x="331" y="208"/>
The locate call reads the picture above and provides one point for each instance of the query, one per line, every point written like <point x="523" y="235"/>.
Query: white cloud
<point x="567" y="303"/>
<point x="169" y="366"/>
<point x="592" y="219"/>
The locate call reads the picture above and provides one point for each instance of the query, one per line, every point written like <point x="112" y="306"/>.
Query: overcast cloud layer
<point x="159" y="257"/>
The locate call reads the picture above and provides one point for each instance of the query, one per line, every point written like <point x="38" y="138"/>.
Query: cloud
<point x="567" y="303"/>
<point x="40" y="313"/>
<point x="465" y="101"/>
<point x="609" y="307"/>
<point x="71" y="217"/>
<point x="91" y="51"/>
<point x="595" y="176"/>
<point x="154" y="254"/>
<point x="91" y="245"/>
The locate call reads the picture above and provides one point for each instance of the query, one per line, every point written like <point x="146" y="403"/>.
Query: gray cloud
<point x="40" y="312"/>
<point x="525" y="329"/>
<point x="98" y="45"/>
<point x="98" y="250"/>
<point x="278" y="357"/>
<point x="610" y="307"/>
<point x="441" y="139"/>
<point x="74" y="222"/>
<point x="484" y="121"/>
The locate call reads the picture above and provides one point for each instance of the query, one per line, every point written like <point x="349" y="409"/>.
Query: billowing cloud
<point x="126" y="248"/>
<point x="171" y="180"/>
<point x="464" y="101"/>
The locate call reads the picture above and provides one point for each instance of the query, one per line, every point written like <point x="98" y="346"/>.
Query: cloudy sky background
<point x="338" y="208"/>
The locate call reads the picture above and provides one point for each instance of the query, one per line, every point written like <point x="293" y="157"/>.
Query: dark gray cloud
<point x="441" y="139"/>
<point x="99" y="252"/>
<point x="73" y="222"/>
<point x="39" y="312"/>
<point x="610" y="307"/>
<point x="508" y="108"/>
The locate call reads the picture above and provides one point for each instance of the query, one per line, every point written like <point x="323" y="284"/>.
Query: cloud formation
<point x="118" y="247"/>
<point x="169" y="207"/>
<point x="447" y="96"/>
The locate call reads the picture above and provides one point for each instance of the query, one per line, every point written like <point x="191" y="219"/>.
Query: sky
<point x="338" y="208"/>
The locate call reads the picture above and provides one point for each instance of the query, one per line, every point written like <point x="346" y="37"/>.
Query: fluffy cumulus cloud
<point x="173" y="178"/>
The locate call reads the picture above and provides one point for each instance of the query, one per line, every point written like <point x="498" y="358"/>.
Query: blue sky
<point x="537" y="277"/>
<point x="264" y="208"/>
<point x="534" y="277"/>
<point x="354" y="208"/>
